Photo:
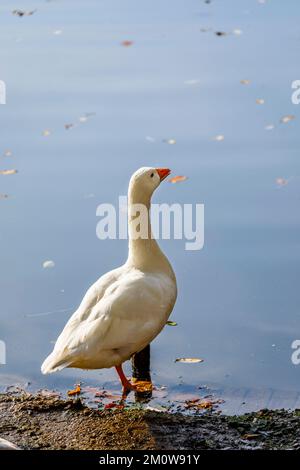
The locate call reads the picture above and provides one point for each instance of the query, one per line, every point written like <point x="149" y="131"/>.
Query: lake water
<point x="239" y="299"/>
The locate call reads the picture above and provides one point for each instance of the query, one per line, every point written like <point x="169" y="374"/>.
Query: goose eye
<point x="152" y="174"/>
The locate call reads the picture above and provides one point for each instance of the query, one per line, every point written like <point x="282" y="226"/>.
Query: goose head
<point x="144" y="182"/>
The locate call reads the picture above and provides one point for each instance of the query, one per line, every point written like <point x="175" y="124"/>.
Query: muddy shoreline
<point x="39" y="422"/>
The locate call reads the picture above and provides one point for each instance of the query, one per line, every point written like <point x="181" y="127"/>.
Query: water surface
<point x="239" y="297"/>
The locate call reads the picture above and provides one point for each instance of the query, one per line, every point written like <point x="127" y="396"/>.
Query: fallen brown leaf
<point x="8" y="172"/>
<point x="126" y="43"/>
<point x="76" y="391"/>
<point x="177" y="179"/>
<point x="143" y="385"/>
<point x="287" y="118"/>
<point x="189" y="360"/>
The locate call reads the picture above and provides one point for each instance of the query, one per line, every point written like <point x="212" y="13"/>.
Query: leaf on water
<point x="75" y="391"/>
<point x="46" y="132"/>
<point x="69" y="126"/>
<point x="48" y="264"/>
<point x="269" y="127"/>
<point x="169" y="141"/>
<point x="202" y="403"/>
<point x="85" y="117"/>
<point x="219" y="138"/>
<point x="260" y="101"/>
<point x="177" y="179"/>
<point x="126" y="43"/>
<point x="205" y="404"/>
<point x="171" y="323"/>
<point x="118" y="406"/>
<point x="287" y="118"/>
<point x="189" y="360"/>
<point x="281" y="182"/>
<point x="245" y="82"/>
<point x="8" y="172"/>
<point x="143" y="385"/>
<point x="21" y="13"/>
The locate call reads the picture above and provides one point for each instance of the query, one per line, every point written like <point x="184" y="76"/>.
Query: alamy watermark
<point x="296" y="94"/>
<point x="2" y="353"/>
<point x="2" y="92"/>
<point x="295" y="357"/>
<point x="178" y="221"/>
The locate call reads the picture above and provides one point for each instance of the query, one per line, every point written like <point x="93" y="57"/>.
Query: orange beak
<point x="163" y="173"/>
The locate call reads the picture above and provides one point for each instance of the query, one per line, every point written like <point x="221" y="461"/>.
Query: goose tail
<point x="54" y="364"/>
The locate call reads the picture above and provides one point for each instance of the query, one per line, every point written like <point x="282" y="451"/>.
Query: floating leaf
<point x="281" y="181"/>
<point x="76" y="391"/>
<point x="177" y="179"/>
<point x="189" y="360"/>
<point x="69" y="126"/>
<point x="126" y="43"/>
<point x="260" y="101"/>
<point x="245" y="82"/>
<point x="21" y="13"/>
<point x="209" y="403"/>
<point x="170" y="141"/>
<point x="219" y="138"/>
<point x="171" y="323"/>
<point x="48" y="264"/>
<point x="202" y="403"/>
<point x="8" y="172"/>
<point x="142" y="385"/>
<point x="287" y="118"/>
<point x="118" y="406"/>
<point x="85" y="117"/>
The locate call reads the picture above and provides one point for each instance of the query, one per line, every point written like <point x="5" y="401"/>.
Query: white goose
<point x="127" y="307"/>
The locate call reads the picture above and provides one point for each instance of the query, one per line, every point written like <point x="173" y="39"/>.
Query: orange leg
<point x="127" y="386"/>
